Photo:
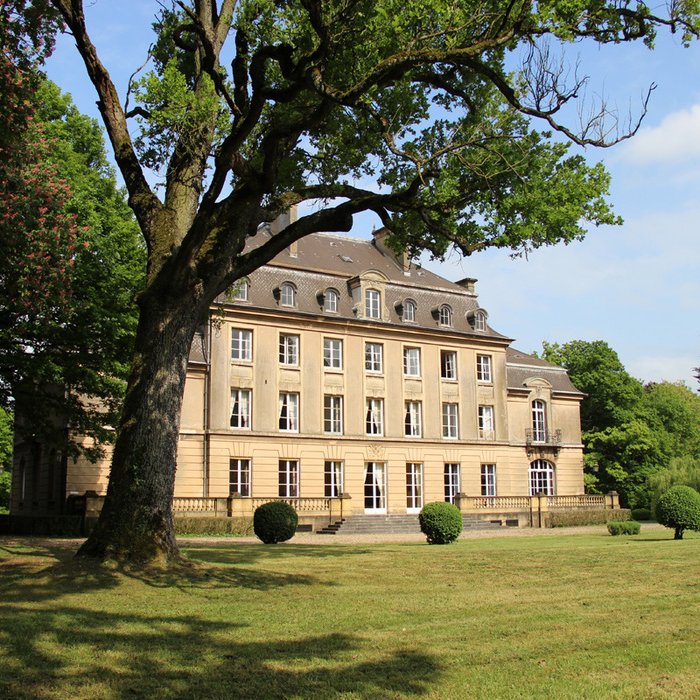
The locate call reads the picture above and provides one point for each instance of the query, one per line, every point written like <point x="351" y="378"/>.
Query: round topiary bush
<point x="440" y="522"/>
<point x="275" y="522"/>
<point x="679" y="508"/>
<point x="641" y="514"/>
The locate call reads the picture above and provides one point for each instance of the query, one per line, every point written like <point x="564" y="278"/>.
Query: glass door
<point x="375" y="487"/>
<point x="414" y="487"/>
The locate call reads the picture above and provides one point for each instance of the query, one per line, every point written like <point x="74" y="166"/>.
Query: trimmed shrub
<point x="440" y="522"/>
<point x="626" y="527"/>
<point x="679" y="509"/>
<point x="275" y="522"/>
<point x="574" y="516"/>
<point x="193" y="525"/>
<point x="641" y="514"/>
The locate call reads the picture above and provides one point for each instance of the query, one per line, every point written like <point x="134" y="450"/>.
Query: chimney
<point x="468" y="283"/>
<point x="281" y="222"/>
<point x="379" y="237"/>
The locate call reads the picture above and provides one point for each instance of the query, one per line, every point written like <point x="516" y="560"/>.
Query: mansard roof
<point x="522" y="368"/>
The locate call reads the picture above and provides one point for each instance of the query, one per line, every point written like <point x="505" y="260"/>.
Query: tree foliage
<point x="679" y="508"/>
<point x="418" y="100"/>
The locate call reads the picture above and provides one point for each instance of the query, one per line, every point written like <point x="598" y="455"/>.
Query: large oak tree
<point x="318" y="97"/>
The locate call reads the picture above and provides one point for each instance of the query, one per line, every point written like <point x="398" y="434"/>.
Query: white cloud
<point x="675" y="140"/>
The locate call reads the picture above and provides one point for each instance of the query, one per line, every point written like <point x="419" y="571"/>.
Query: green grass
<point x="561" y="616"/>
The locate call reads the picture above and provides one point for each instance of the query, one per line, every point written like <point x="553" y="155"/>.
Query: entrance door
<point x="375" y="487"/>
<point x="414" y="487"/>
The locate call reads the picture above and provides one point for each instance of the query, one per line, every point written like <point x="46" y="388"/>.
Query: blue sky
<point x="636" y="286"/>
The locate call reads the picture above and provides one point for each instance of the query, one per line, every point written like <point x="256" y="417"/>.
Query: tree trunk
<point x="136" y="523"/>
<point x="678" y="535"/>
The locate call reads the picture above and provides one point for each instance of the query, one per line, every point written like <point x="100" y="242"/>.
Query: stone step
<point x="392" y="524"/>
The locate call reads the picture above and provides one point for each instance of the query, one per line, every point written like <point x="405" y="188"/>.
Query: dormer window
<point x="288" y="295"/>
<point x="330" y="301"/>
<point x="409" y="311"/>
<point x="445" y="317"/>
<point x="479" y="321"/>
<point x="372" y="304"/>
<point x="241" y="290"/>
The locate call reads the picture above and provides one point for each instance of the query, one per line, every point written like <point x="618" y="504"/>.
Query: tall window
<point x="375" y="417"/>
<point x="330" y="301"/>
<point x="488" y="479"/>
<point x="414" y="487"/>
<point x="451" y="480"/>
<point x="240" y="408"/>
<point x="333" y="414"/>
<point x="288" y="473"/>
<point x="411" y="362"/>
<point x="450" y="420"/>
<point x="288" y="295"/>
<point x="412" y="419"/>
<point x="241" y="291"/>
<point x="483" y="368"/>
<point x="479" y="321"/>
<point x="445" y="316"/>
<point x="289" y="349"/>
<point x="374" y="353"/>
<point x="241" y="345"/>
<point x="372" y="304"/>
<point x="448" y="364"/>
<point x="239" y="477"/>
<point x="289" y="412"/>
<point x="409" y="311"/>
<point x="541" y="476"/>
<point x="332" y="353"/>
<point x="539" y="421"/>
<point x="333" y="479"/>
<point x="486" y="422"/>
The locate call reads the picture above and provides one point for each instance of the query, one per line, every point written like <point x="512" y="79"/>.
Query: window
<point x="479" y="321"/>
<point x="288" y="472"/>
<point x="541" y="476"/>
<point x="333" y="414"/>
<point x="332" y="353"/>
<point x="451" y="479"/>
<point x="450" y="420"/>
<point x="289" y="412"/>
<point x="239" y="477"/>
<point x="488" y="479"/>
<point x="375" y="417"/>
<point x="289" y="350"/>
<point x="240" y="292"/>
<point x="372" y="304"/>
<point x="409" y="311"/>
<point x="412" y="420"/>
<point x="411" y="362"/>
<point x="539" y="421"/>
<point x="333" y="479"/>
<point x="374" y="353"/>
<point x="414" y="487"/>
<point x="445" y="317"/>
<point x="240" y="408"/>
<point x="288" y="295"/>
<point x="330" y="301"/>
<point x="241" y="345"/>
<point x="448" y="364"/>
<point x="486" y="425"/>
<point x="483" y="368"/>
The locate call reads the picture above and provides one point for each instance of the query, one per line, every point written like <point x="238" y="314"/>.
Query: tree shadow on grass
<point x="68" y="651"/>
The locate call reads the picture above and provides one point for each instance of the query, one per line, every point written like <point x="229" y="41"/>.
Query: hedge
<point x="627" y="527"/>
<point x="202" y="525"/>
<point x="573" y="517"/>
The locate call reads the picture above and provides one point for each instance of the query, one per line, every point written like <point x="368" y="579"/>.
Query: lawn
<point x="564" y="616"/>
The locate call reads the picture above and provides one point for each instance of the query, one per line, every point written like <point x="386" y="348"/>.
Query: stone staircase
<point x="391" y="524"/>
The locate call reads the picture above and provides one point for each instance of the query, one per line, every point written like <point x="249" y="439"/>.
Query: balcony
<point x="542" y="440"/>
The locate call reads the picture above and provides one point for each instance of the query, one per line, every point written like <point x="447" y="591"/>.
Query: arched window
<point x="479" y="321"/>
<point x="539" y="421"/>
<point x="330" y="301"/>
<point x="445" y="315"/>
<point x="288" y="295"/>
<point x="541" y="477"/>
<point x="409" y="311"/>
<point x="241" y="290"/>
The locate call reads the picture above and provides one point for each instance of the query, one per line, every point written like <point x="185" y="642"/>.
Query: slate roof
<point x="521" y="367"/>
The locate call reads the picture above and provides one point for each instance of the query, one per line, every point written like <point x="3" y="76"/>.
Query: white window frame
<point x="541" y="476"/>
<point x="241" y="293"/>
<point x="241" y="409"/>
<point x="288" y="478"/>
<point x="479" y="321"/>
<point x="241" y="345"/>
<point x="487" y="422"/>
<point x="374" y="358"/>
<point x="409" y="311"/>
<point x="333" y="476"/>
<point x="450" y="421"/>
<point x="374" y="418"/>
<point x="333" y="414"/>
<point x="288" y="295"/>
<point x="288" y="412"/>
<point x="239" y="477"/>
<point x="411" y="362"/>
<point x="451" y="480"/>
<point x="330" y="301"/>
<point x="539" y="421"/>
<point x="488" y="480"/>
<point x="373" y="303"/>
<point x="332" y="353"/>
<point x="448" y="365"/>
<point x="445" y="316"/>
<point x="289" y="350"/>
<point x="484" y="369"/>
<point x="413" y="423"/>
<point x="414" y="487"/>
